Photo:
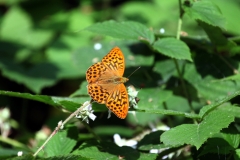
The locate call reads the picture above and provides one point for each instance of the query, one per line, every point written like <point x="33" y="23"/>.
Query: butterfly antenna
<point x="134" y="72"/>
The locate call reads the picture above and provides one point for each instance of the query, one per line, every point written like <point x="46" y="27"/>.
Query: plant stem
<point x="185" y="91"/>
<point x="235" y="71"/>
<point x="12" y="142"/>
<point x="181" y="12"/>
<point x="59" y="127"/>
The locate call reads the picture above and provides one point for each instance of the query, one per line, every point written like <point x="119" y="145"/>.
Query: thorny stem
<point x="175" y="61"/>
<point x="235" y="71"/>
<point x="184" y="86"/>
<point x="59" y="127"/>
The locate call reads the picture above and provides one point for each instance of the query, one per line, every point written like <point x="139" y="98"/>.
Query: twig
<point x="60" y="125"/>
<point x="181" y="12"/>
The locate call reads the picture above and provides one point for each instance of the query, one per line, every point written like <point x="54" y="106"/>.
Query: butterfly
<point x="105" y="83"/>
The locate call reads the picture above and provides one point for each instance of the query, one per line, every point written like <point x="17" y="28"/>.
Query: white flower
<point x="86" y="112"/>
<point x="123" y="142"/>
<point x="20" y="153"/>
<point x="109" y="113"/>
<point x="60" y="124"/>
<point x="132" y="96"/>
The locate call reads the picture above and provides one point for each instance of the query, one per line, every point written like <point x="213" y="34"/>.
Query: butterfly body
<point x="114" y="80"/>
<point x="105" y="83"/>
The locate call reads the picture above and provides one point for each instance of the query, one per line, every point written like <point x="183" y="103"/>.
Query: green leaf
<point x="151" y="103"/>
<point x="81" y="91"/>
<point x="215" y="90"/>
<point x="14" y="143"/>
<point x="215" y="34"/>
<point x="11" y="2"/>
<point x="123" y="30"/>
<point x="93" y="150"/>
<point x="237" y="154"/>
<point x="202" y="76"/>
<point x="172" y="112"/>
<point x="67" y="157"/>
<point x="90" y="150"/>
<point x="111" y="130"/>
<point x="153" y="100"/>
<point x="9" y="30"/>
<point x="149" y="147"/>
<point x="62" y="143"/>
<point x="143" y="11"/>
<point x="235" y="77"/>
<point x="233" y="110"/>
<point x="217" y="103"/>
<point x="227" y="141"/>
<point x="150" y="140"/>
<point x="67" y="103"/>
<point x="108" y="150"/>
<point x="231" y="135"/>
<point x="70" y="104"/>
<point x="197" y="134"/>
<point x="35" y="78"/>
<point x="166" y="69"/>
<point x="142" y="118"/>
<point x="173" y="48"/>
<point x="75" y="24"/>
<point x="24" y="157"/>
<point x="147" y="103"/>
<point x="206" y="11"/>
<point x="84" y="57"/>
<point x="7" y="152"/>
<point x="59" y="55"/>
<point x="24" y="32"/>
<point x="59" y="64"/>
<point x="222" y="147"/>
<point x="230" y="10"/>
<point x="147" y="156"/>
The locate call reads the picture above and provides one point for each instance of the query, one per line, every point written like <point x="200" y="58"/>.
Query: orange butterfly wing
<point x="106" y="83"/>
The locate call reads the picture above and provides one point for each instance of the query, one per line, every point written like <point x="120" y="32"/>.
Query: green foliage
<point x="90" y="150"/>
<point x="206" y="11"/>
<point x="197" y="134"/>
<point x="62" y="143"/>
<point x="67" y="103"/>
<point x="173" y="48"/>
<point x="123" y="30"/>
<point x="188" y="86"/>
